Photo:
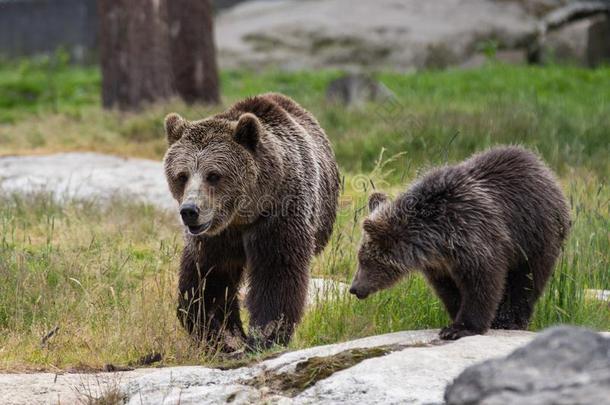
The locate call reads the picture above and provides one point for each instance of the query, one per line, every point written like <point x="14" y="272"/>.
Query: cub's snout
<point x="359" y="291"/>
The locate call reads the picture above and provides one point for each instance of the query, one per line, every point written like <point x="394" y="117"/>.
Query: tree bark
<point x="134" y="53"/>
<point x="193" y="54"/>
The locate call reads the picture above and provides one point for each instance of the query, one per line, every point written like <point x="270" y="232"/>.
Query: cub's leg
<point x="279" y="254"/>
<point x="208" y="306"/>
<point x="481" y="289"/>
<point x="447" y="291"/>
<point x="527" y="286"/>
<point x="504" y="318"/>
<point x="504" y="313"/>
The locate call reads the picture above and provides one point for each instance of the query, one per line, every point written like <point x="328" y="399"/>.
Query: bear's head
<point x="211" y="169"/>
<point x="381" y="261"/>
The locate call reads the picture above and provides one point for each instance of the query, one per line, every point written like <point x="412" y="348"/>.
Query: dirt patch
<point x="232" y="362"/>
<point x="314" y="369"/>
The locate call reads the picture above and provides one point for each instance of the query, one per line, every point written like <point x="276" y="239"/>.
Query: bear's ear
<point x="248" y="131"/>
<point x="376" y="199"/>
<point x="376" y="230"/>
<point x="174" y="127"/>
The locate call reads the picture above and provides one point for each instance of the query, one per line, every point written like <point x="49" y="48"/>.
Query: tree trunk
<point x="134" y="53"/>
<point x="192" y="50"/>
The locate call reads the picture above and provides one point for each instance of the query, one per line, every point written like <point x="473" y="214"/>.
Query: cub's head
<point x="379" y="257"/>
<point x="210" y="169"/>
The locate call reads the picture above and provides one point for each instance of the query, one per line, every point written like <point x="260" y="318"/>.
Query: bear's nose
<point x="189" y="213"/>
<point x="358" y="292"/>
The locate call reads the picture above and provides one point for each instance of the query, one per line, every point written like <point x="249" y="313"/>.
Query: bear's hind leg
<point x="527" y="286"/>
<point x="504" y="313"/>
<point x="504" y="318"/>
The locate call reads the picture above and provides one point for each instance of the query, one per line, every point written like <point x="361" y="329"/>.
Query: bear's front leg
<point x="278" y="256"/>
<point x="208" y="306"/>
<point x="447" y="291"/>
<point x="481" y="288"/>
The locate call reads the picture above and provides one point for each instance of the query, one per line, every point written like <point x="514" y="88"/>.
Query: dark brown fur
<point x="485" y="233"/>
<point x="263" y="178"/>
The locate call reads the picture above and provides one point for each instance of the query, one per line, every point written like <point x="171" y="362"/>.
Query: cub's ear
<point x="174" y="127"/>
<point x="376" y="230"/>
<point x="376" y="199"/>
<point x="248" y="131"/>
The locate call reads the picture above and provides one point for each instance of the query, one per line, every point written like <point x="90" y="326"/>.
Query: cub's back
<point x="527" y="193"/>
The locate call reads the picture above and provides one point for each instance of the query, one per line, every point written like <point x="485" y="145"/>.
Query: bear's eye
<point x="183" y="178"/>
<point x="212" y="178"/>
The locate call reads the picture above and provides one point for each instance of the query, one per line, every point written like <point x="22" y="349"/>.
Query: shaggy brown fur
<point x="486" y="234"/>
<point x="258" y="188"/>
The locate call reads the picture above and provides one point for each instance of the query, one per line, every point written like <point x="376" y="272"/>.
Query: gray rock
<point x="352" y="34"/>
<point x="585" y="43"/>
<point x="564" y="365"/>
<point x="356" y="90"/>
<point x="61" y="388"/>
<point x="540" y="8"/>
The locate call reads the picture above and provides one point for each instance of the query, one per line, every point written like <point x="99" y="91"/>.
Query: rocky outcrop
<point x="386" y="34"/>
<point x="564" y="365"/>
<point x="411" y="34"/>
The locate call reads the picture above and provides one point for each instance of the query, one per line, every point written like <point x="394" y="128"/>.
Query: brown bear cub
<point x="258" y="187"/>
<point x="485" y="233"/>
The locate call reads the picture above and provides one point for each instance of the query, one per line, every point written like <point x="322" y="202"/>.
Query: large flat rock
<point x="403" y="367"/>
<point x="86" y="176"/>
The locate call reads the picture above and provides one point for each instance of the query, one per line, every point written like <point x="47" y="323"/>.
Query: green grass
<point x="563" y="112"/>
<point x="46" y="84"/>
<point x="107" y="276"/>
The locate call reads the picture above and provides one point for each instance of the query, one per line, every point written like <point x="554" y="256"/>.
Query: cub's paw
<point x="455" y="331"/>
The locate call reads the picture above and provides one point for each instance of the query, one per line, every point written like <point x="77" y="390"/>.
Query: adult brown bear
<point x="258" y="187"/>
<point x="486" y="234"/>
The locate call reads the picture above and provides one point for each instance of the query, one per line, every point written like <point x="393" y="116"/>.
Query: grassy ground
<point x="106" y="277"/>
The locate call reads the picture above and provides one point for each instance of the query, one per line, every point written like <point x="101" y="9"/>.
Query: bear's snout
<point x="191" y="216"/>
<point x="359" y="292"/>
<point x="189" y="213"/>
